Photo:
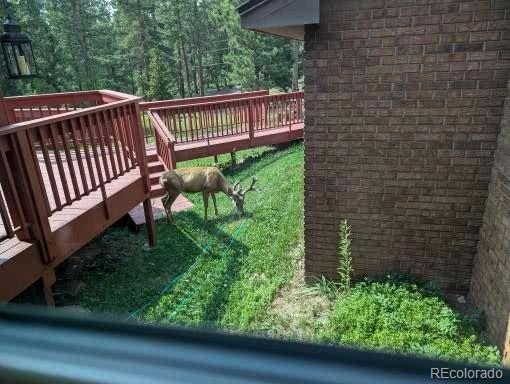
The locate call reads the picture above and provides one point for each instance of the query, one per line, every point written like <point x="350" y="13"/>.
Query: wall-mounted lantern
<point x="17" y="51"/>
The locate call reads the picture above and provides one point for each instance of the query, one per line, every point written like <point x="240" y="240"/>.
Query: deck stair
<point x="156" y="169"/>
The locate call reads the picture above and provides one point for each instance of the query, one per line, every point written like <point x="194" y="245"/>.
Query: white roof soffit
<point x="285" y="18"/>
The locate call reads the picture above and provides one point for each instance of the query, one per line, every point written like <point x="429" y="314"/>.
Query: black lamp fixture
<point x="17" y="49"/>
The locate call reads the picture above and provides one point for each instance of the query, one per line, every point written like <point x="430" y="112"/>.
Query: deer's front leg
<point x="214" y="203"/>
<point x="205" y="196"/>
<point x="168" y="212"/>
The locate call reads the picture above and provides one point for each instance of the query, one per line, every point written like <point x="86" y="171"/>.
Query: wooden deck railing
<point x="50" y="162"/>
<point x="147" y="122"/>
<point x="164" y="141"/>
<point x="195" y="122"/>
<point x="206" y="121"/>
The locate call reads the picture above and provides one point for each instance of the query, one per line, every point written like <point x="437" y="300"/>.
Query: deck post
<point x="144" y="171"/>
<point x="251" y="125"/>
<point x="41" y="224"/>
<point x="3" y="111"/>
<point x="48" y="278"/>
<point x="149" y="220"/>
<point x="173" y="160"/>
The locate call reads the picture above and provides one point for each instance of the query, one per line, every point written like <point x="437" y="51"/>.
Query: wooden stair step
<point x="156" y="166"/>
<point x="154" y="177"/>
<point x="152" y="155"/>
<point x="157" y="191"/>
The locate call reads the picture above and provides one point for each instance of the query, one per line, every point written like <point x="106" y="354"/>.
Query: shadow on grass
<point x="253" y="161"/>
<point x="228" y="255"/>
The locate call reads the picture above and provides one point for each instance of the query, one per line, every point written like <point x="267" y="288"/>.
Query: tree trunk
<point x="83" y="72"/>
<point x="180" y="80"/>
<point x="195" y="82"/>
<point x="198" y="47"/>
<point x="142" y="51"/>
<point x="295" y="65"/>
<point x="183" y="51"/>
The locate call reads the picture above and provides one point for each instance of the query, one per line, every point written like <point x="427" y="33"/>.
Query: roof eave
<point x="285" y="18"/>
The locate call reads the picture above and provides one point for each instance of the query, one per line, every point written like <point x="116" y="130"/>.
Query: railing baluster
<point x="49" y="169"/>
<point x="178" y="126"/>
<point x="116" y="140"/>
<point x="235" y="115"/>
<point x="126" y="115"/>
<point x="223" y="117"/>
<point x="83" y="135"/>
<point x="31" y="138"/>
<point x="216" y="112"/>
<point x="106" y="129"/>
<point x="69" y="159"/>
<point x="4" y="211"/>
<point x="230" y="119"/>
<point x="199" y="122"/>
<point x="174" y="125"/>
<point x="129" y="137"/>
<point x="190" y="117"/>
<point x="58" y="160"/>
<point x="97" y="128"/>
<point x="4" y="214"/>
<point x="77" y="152"/>
<point x="13" y="185"/>
<point x="120" y="131"/>
<point x="98" y="163"/>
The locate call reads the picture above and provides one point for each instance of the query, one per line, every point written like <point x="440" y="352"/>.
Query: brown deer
<point x="208" y="180"/>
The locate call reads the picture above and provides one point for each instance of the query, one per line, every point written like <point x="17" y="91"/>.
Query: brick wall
<point x="490" y="286"/>
<point x="403" y="104"/>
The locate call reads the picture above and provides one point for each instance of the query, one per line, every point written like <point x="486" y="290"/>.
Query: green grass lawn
<point x="237" y="263"/>
<point x="246" y="274"/>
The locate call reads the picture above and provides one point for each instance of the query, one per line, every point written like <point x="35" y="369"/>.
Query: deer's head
<point x="238" y="194"/>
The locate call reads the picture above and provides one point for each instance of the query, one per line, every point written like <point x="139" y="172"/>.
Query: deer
<point x="208" y="180"/>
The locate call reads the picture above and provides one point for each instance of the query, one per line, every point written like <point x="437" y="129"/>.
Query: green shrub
<point x="401" y="317"/>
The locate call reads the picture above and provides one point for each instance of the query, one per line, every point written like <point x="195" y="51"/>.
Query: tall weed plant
<point x="344" y="251"/>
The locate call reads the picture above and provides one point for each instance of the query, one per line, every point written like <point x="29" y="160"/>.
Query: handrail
<point x="164" y="141"/>
<point x="203" y="99"/>
<point x="26" y="99"/>
<point x="159" y="125"/>
<point x="205" y="121"/>
<point x="231" y="101"/>
<point x="7" y="129"/>
<point x="145" y="106"/>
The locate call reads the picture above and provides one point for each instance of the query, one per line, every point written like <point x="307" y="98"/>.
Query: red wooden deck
<point x="73" y="164"/>
<point x="70" y="166"/>
<point x="185" y="132"/>
<point x="237" y="142"/>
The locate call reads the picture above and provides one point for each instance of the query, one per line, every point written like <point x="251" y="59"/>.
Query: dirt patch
<point x="296" y="313"/>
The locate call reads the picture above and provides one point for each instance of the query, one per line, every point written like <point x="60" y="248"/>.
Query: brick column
<point x="490" y="286"/>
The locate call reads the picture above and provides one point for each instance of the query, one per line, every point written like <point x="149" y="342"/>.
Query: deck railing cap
<point x="249" y="98"/>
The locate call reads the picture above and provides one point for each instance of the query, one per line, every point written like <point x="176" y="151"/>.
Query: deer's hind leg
<point x="205" y="196"/>
<point x="167" y="201"/>
<point x="214" y="203"/>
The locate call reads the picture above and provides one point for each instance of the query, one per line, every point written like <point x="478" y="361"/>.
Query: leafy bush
<point x="401" y="317"/>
